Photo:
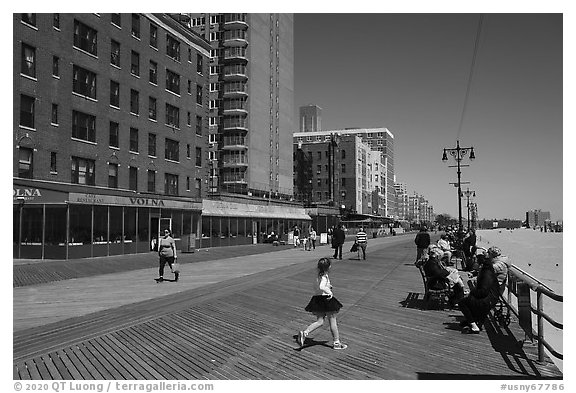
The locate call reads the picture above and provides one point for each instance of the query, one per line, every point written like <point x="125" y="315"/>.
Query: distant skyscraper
<point x="310" y="118"/>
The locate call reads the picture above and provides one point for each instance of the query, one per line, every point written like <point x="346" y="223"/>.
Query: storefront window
<point x="15" y="227"/>
<point x="233" y="227"/>
<point x="100" y="224"/>
<point x="143" y="223"/>
<point x="80" y="224"/>
<point x="115" y="224"/>
<point x="55" y="232"/>
<point x="187" y="223"/>
<point x="32" y="225"/>
<point x="129" y="224"/>
<point x="177" y="224"/>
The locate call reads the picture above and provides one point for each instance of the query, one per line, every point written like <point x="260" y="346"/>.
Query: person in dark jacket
<point x="481" y="299"/>
<point x="422" y="241"/>
<point x="440" y="276"/>
<point x="469" y="248"/>
<point x="338" y="241"/>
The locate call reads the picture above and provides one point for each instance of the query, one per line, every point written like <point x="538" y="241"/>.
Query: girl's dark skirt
<point x="320" y="304"/>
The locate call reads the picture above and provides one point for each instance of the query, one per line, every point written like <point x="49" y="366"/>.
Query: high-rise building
<point x="537" y="218"/>
<point x="401" y="207"/>
<point x="378" y="140"/>
<point x="310" y="118"/>
<point x="251" y="100"/>
<point x="109" y="132"/>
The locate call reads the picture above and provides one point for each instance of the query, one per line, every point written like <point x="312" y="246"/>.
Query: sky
<point x="410" y="73"/>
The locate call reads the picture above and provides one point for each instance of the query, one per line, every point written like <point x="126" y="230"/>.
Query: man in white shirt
<point x="444" y="245"/>
<point x="362" y="241"/>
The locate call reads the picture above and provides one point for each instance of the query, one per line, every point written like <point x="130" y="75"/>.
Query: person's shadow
<point x="310" y="342"/>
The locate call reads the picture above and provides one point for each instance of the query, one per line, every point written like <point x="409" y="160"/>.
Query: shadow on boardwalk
<point x="243" y="327"/>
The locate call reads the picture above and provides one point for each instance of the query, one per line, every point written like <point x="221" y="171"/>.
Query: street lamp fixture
<point x="468" y="194"/>
<point x="458" y="153"/>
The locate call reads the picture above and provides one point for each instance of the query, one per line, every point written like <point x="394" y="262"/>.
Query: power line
<point x="472" y="66"/>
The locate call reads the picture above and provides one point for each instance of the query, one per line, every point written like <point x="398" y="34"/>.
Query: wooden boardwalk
<point x="240" y="323"/>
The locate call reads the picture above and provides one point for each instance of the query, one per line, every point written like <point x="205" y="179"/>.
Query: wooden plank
<point x="137" y="363"/>
<point x="32" y="369"/>
<point x="54" y="373"/>
<point x="109" y="366"/>
<point x="122" y="362"/>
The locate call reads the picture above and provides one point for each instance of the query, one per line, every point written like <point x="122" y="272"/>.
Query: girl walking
<point x="323" y="304"/>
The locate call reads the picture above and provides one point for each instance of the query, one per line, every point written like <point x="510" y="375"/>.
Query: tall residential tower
<point x="251" y="101"/>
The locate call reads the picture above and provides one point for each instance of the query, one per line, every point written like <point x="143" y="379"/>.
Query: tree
<point x="445" y="219"/>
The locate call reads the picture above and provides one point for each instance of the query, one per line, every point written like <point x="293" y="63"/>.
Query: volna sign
<point x="146" y="202"/>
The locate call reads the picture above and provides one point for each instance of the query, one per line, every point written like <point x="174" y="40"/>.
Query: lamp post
<point x="459" y="153"/>
<point x="469" y="193"/>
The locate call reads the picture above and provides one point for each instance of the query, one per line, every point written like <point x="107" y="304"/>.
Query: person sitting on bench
<point x="440" y="275"/>
<point x="484" y="296"/>
<point x="444" y="245"/>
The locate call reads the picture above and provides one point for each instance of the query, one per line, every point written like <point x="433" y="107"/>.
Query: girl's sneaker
<point x="339" y="346"/>
<point x="301" y="338"/>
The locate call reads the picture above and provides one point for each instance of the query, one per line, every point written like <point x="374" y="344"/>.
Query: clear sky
<point x="410" y="72"/>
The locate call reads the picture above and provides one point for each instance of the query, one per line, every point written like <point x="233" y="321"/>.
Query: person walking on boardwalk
<point x="296" y="236"/>
<point x="338" y="241"/>
<point x="167" y="254"/>
<point x="323" y="304"/>
<point x="312" y="238"/>
<point x="362" y="241"/>
<point x="422" y="241"/>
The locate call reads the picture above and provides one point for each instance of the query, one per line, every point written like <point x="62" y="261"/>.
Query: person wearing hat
<point x="483" y="297"/>
<point x="422" y="241"/>
<point x="499" y="264"/>
<point x="438" y="274"/>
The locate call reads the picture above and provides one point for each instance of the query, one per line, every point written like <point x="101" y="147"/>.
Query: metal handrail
<point x="540" y="289"/>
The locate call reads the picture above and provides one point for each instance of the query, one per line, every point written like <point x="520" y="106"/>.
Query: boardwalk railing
<point x="521" y="285"/>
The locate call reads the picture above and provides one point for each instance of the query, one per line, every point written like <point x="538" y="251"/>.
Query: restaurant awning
<point x="232" y="209"/>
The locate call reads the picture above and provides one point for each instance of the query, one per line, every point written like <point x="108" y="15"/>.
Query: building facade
<point x="251" y="101"/>
<point x="368" y="162"/>
<point x="310" y="118"/>
<point x="401" y="206"/>
<point x="346" y="174"/>
<point x="537" y="218"/>
<point x="110" y="132"/>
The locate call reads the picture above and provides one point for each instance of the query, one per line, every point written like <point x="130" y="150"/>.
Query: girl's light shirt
<point x="323" y="286"/>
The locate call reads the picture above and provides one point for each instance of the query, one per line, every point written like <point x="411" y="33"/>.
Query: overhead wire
<point x="472" y="66"/>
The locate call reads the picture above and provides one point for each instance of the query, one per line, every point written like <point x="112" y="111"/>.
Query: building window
<point x="170" y="184"/>
<point x="213" y="121"/>
<point x="135" y="64"/>
<point x="189" y="119"/>
<point x="343" y="154"/>
<point x="25" y="162"/>
<point x="27" y="111"/>
<point x="113" y="175"/>
<point x="115" y="53"/>
<point x="153" y="36"/>
<point x="343" y="168"/>
<point x="153" y="72"/>
<point x="29" y="19"/>
<point x="83" y="126"/>
<point x="198" y="157"/>
<point x="28" y="60"/>
<point x="133" y="139"/>
<point x="190" y="55"/>
<point x="152" y="108"/>
<point x="189" y="86"/>
<point x="198" y="125"/>
<point x="133" y="178"/>
<point x="172" y="82"/>
<point x="172" y="47"/>
<point x="213" y="87"/>
<point x="199" y="64"/>
<point x="198" y="186"/>
<point x="134" y="101"/>
<point x="85" y="38"/>
<point x="172" y="116"/>
<point x="53" y="161"/>
<point x="187" y="183"/>
<point x="188" y="151"/>
<point x="83" y="82"/>
<point x="113" y="135"/>
<point x="343" y="182"/>
<point x="82" y="171"/>
<point x="55" y="66"/>
<point x="319" y="155"/>
<point x="199" y="95"/>
<point x="319" y="182"/>
<point x="136" y="25"/>
<point x="56" y="21"/>
<point x="117" y="19"/>
<point x="54" y="118"/>
<point x="115" y="94"/>
<point x="172" y="150"/>
<point x="151" y="181"/>
<point x="152" y="145"/>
